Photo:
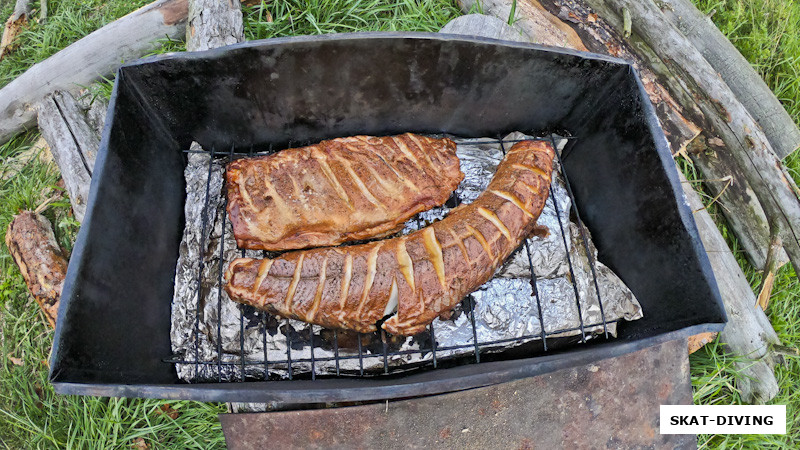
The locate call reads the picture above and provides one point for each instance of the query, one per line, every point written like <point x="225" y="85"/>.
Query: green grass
<point x="31" y="414"/>
<point x="67" y="22"/>
<point x="767" y="33"/>
<point x="297" y="17"/>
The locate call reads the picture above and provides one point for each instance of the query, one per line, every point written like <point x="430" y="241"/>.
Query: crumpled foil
<point x="233" y="342"/>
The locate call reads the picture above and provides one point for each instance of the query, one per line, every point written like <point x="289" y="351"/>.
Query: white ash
<point x="504" y="308"/>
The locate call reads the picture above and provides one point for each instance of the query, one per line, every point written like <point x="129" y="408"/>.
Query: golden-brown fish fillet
<point x="422" y="274"/>
<point x="339" y="190"/>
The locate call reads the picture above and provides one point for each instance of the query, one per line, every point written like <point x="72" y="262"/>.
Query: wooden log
<point x="214" y="23"/>
<point x="678" y="129"/>
<point x="602" y="29"/>
<point x="531" y="19"/>
<point x="73" y="143"/>
<point x="96" y="108"/>
<point x="748" y="333"/>
<point x="745" y="142"/>
<point x="726" y="181"/>
<point x="748" y="86"/>
<point x="14" y="25"/>
<point x="42" y="262"/>
<point x="96" y="55"/>
<point x="483" y="25"/>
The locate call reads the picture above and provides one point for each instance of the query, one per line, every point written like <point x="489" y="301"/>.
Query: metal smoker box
<point x="113" y="328"/>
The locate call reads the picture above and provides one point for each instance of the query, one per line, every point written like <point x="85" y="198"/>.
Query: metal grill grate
<point x="385" y="354"/>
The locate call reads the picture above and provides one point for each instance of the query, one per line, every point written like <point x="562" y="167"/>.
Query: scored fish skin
<point x="428" y="271"/>
<point x="339" y="190"/>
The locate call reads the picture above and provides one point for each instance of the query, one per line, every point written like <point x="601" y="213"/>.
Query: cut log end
<point x="40" y="259"/>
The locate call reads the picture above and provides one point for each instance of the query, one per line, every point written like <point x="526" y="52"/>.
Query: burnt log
<point x="42" y="262"/>
<point x="96" y="55"/>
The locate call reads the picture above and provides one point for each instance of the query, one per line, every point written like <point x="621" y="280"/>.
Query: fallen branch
<point x="745" y="143"/>
<point x="748" y="86"/>
<point x="96" y="55"/>
<point x="770" y="268"/>
<point x="41" y="260"/>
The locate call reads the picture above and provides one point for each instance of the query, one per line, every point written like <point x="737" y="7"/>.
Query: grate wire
<point x="477" y="346"/>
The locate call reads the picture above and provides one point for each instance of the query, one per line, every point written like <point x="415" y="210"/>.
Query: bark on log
<point x="14" y="25"/>
<point x="699" y="341"/>
<point x="746" y="143"/>
<point x="73" y="143"/>
<point x="214" y="23"/>
<point x="42" y="262"/>
<point x="21" y="8"/>
<point x="96" y="55"/>
<point x="739" y="202"/>
<point x="603" y="34"/>
<point x="748" y="86"/>
<point x="748" y="332"/>
<point x="678" y="129"/>
<point x="532" y="20"/>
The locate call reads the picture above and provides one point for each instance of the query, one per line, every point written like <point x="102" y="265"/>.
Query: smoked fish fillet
<point x="339" y="190"/>
<point x="420" y="275"/>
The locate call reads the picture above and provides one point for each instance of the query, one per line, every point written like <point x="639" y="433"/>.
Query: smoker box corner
<point x="114" y="324"/>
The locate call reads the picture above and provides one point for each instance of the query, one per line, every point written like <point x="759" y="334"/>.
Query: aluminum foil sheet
<point x="232" y="342"/>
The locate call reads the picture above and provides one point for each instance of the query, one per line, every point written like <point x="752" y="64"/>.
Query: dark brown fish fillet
<point x="425" y="273"/>
<point x="339" y="190"/>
